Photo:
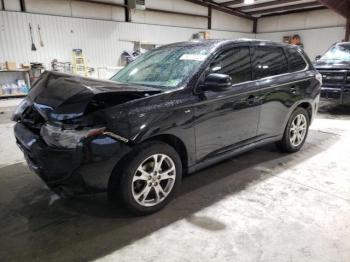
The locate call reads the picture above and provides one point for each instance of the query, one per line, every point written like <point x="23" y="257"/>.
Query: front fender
<point x="165" y="114"/>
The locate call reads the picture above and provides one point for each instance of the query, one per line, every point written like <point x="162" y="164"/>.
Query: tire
<point x="143" y="187"/>
<point x="286" y="144"/>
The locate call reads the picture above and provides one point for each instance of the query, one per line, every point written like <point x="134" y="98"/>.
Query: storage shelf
<point x="11" y="77"/>
<point x="12" y="96"/>
<point x="16" y="70"/>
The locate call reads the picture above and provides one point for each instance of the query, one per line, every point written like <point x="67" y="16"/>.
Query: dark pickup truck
<point x="334" y="66"/>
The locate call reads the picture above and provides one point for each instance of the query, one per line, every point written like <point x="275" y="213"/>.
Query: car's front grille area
<point x="335" y="76"/>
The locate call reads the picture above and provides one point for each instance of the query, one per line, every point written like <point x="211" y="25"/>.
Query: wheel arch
<point x="169" y="139"/>
<point x="308" y="107"/>
<point x="174" y="142"/>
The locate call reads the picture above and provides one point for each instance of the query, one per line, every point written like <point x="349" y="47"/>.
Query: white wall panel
<point x="118" y="14"/>
<point x="324" y="18"/>
<point x="12" y="5"/>
<point x="54" y="7"/>
<point x="91" y="10"/>
<point x="158" y="18"/>
<point x="177" y="5"/>
<point x="214" y="34"/>
<point x="305" y="20"/>
<point x="76" y="9"/>
<point x="223" y="21"/>
<point x="102" y="41"/>
<point x="98" y="39"/>
<point x="110" y="1"/>
<point x="316" y="41"/>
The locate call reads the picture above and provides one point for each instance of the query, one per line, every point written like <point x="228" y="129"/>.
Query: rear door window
<point x="269" y="61"/>
<point x="234" y="62"/>
<point x="295" y="60"/>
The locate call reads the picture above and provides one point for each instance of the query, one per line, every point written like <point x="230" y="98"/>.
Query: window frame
<point x="252" y="47"/>
<point x="307" y="65"/>
<point x="255" y="47"/>
<point x="206" y="71"/>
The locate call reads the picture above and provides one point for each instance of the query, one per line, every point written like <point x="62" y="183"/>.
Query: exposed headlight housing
<point x="22" y="106"/>
<point x="67" y="138"/>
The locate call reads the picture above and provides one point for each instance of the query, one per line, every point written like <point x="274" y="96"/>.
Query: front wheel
<point x="296" y="131"/>
<point x="149" y="179"/>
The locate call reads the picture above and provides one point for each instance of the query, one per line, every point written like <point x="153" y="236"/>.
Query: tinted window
<point x="235" y="63"/>
<point x="270" y="61"/>
<point x="295" y="61"/>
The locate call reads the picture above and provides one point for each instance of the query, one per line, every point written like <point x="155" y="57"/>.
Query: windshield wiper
<point x="142" y="84"/>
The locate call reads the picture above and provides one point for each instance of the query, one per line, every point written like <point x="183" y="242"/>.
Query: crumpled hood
<point x="332" y="64"/>
<point x="59" y="96"/>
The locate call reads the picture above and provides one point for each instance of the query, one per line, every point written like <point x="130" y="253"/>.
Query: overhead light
<point x="248" y="2"/>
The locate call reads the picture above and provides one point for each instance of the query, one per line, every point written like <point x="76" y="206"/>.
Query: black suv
<point x="174" y="110"/>
<point x="334" y="66"/>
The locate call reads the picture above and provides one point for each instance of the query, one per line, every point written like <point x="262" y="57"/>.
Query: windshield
<point x="338" y="52"/>
<point x="164" y="68"/>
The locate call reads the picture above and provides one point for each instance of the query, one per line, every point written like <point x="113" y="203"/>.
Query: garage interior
<point x="262" y="205"/>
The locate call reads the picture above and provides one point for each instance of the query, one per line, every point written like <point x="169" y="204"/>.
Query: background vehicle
<point x="174" y="110"/>
<point x="334" y="66"/>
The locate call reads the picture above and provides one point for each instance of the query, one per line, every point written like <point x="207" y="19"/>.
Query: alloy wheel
<point x="153" y="180"/>
<point x="298" y="130"/>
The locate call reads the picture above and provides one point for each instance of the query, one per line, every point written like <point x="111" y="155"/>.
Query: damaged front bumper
<point x="67" y="171"/>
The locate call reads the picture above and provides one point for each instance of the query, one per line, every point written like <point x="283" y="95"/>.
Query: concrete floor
<point x="261" y="206"/>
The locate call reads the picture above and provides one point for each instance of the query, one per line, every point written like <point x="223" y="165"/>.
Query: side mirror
<point x="318" y="58"/>
<point x="217" y="82"/>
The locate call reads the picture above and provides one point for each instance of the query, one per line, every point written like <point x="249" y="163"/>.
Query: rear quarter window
<point x="295" y="60"/>
<point x="269" y="61"/>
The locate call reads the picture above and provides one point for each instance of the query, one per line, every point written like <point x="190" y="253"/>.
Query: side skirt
<point x="245" y="148"/>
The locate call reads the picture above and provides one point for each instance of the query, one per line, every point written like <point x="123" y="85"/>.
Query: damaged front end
<point x="64" y="133"/>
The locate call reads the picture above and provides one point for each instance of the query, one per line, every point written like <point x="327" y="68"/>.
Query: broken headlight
<point x="22" y="106"/>
<point x="67" y="138"/>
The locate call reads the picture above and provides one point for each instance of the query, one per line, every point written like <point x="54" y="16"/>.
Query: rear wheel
<point x="149" y="179"/>
<point x="296" y="131"/>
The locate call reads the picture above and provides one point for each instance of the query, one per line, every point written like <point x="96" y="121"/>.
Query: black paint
<point x="204" y="126"/>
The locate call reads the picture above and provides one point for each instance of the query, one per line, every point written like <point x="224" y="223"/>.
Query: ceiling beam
<point x="266" y="4"/>
<point x="100" y="3"/>
<point x="236" y="2"/>
<point x="285" y="8"/>
<point x="295" y="11"/>
<point x="341" y="7"/>
<point x="221" y="8"/>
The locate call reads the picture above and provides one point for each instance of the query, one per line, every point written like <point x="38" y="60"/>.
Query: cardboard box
<point x="26" y="66"/>
<point x="10" y="65"/>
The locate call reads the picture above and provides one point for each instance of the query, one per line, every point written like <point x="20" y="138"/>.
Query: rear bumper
<point x="339" y="94"/>
<point x="84" y="169"/>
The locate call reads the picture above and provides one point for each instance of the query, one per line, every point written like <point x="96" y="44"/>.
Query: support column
<point x="210" y="11"/>
<point x="127" y="11"/>
<point x="347" y="31"/>
<point x="23" y="5"/>
<point x="255" y="25"/>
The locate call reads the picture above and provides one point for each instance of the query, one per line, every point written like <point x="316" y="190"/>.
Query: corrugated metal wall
<point x="318" y="29"/>
<point x="315" y="41"/>
<point x="101" y="41"/>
